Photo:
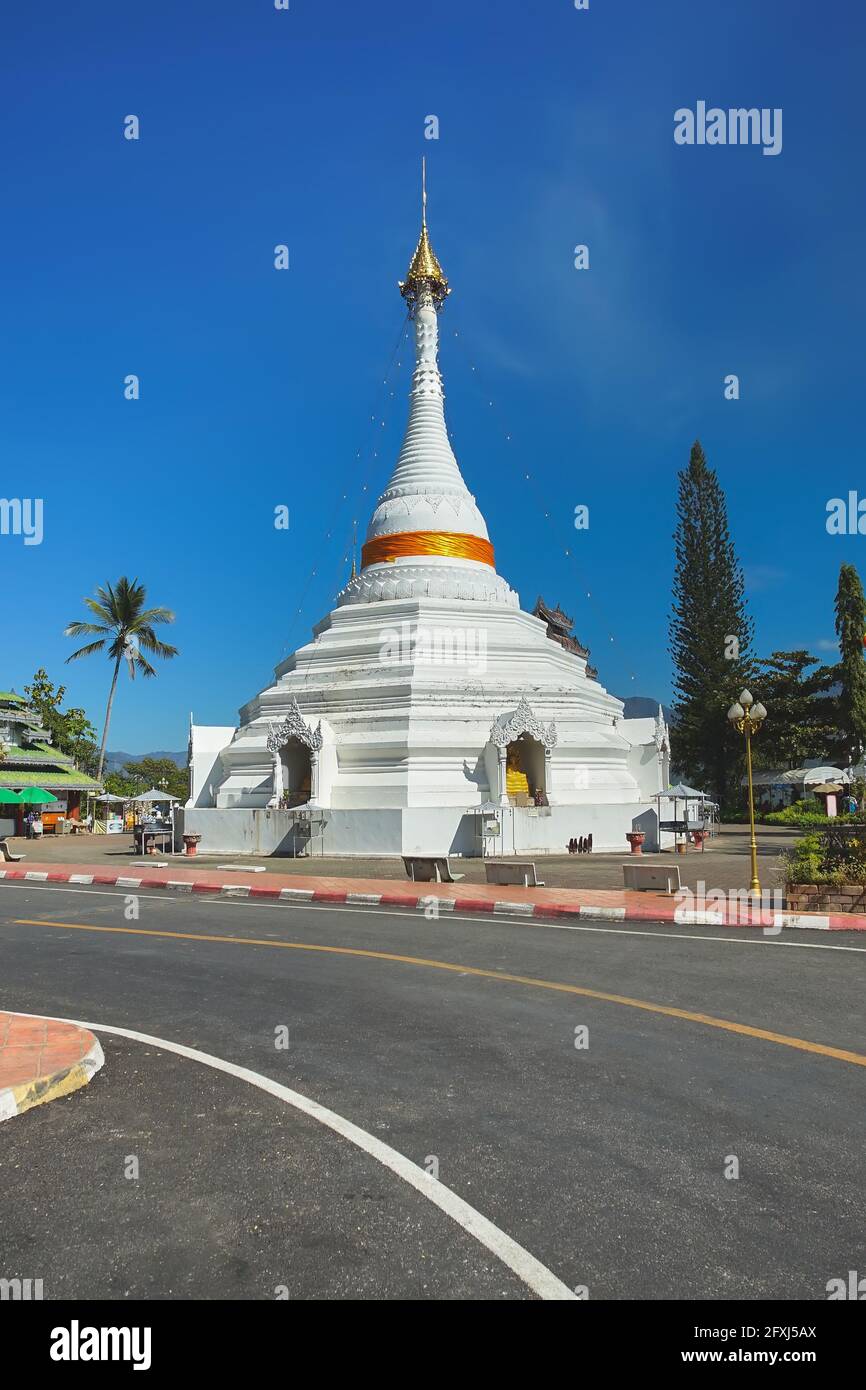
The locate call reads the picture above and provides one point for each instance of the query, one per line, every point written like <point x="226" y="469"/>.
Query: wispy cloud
<point x="761" y="577"/>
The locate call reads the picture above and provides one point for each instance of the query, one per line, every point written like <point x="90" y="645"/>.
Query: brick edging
<point x="665" y="911"/>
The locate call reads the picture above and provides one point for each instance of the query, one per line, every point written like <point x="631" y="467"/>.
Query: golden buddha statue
<point x="516" y="780"/>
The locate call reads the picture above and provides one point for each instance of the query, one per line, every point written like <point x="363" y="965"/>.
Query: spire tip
<point x="425" y="272"/>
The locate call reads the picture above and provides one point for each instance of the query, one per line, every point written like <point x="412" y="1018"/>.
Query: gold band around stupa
<point x="455" y="544"/>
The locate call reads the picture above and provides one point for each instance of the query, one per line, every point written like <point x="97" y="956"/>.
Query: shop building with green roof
<point x="27" y="759"/>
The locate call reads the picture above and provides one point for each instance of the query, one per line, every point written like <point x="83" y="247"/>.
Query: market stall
<point x="154" y="825"/>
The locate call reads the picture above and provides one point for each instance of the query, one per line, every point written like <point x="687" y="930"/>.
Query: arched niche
<point x="295" y="748"/>
<point x="525" y="759"/>
<point x="533" y="742"/>
<point x="297" y="773"/>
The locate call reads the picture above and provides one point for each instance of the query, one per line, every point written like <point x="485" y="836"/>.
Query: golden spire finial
<point x="425" y="272"/>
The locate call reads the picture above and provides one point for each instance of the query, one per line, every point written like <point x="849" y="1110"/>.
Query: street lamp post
<point x="747" y="718"/>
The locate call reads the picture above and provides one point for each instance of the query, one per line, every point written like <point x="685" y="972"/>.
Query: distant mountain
<point x="115" y="761"/>
<point x="642" y="707"/>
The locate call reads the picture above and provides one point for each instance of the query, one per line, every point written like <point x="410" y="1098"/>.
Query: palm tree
<point x="127" y="626"/>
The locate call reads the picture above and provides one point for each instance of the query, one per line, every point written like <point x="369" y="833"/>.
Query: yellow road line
<point x="707" y="1020"/>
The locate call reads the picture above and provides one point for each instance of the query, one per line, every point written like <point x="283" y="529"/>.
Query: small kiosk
<point x="694" y="816"/>
<point x="155" y="822"/>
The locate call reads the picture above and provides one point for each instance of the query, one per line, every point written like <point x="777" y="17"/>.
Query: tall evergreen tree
<point x="803" y="713"/>
<point x="711" y="633"/>
<point x="851" y="671"/>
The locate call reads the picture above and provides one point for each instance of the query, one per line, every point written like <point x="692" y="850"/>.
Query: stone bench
<point x="7" y="854"/>
<point x="513" y="871"/>
<point x="429" y="869"/>
<point x="651" y="878"/>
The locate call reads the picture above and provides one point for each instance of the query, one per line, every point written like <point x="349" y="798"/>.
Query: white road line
<point x="92" y="892"/>
<point x="534" y="1275"/>
<point x="482" y="920"/>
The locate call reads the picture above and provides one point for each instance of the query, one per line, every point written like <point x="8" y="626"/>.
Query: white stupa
<point x="427" y="693"/>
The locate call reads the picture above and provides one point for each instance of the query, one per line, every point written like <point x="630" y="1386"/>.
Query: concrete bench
<point x="651" y="878"/>
<point x="8" y="855"/>
<point x="430" y="869"/>
<point x="513" y="871"/>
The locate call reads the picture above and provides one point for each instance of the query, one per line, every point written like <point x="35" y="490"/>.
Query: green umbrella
<point x="9" y="796"/>
<point x="36" y="795"/>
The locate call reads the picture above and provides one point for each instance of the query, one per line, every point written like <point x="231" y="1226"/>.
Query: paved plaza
<point x="724" y="864"/>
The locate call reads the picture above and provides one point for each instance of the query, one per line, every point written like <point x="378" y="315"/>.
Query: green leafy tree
<point x="46" y="699"/>
<point x="711" y="634"/>
<point x="86" y="755"/>
<point x="134" y="778"/>
<point x="161" y="773"/>
<point x="802" y="713"/>
<point x="71" y="731"/>
<point x="125" y="632"/>
<point x="125" y="783"/>
<point x="851" y="671"/>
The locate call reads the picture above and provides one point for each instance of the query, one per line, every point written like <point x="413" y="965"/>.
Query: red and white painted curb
<point x="656" y="910"/>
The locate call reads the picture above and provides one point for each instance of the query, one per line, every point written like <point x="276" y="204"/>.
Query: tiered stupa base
<point x="401" y="714"/>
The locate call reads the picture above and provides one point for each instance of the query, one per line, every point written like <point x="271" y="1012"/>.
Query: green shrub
<point x="828" y="858"/>
<point x="808" y="813"/>
<point x="801" y="813"/>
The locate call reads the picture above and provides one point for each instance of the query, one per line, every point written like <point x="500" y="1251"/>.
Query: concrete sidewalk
<point x="42" y="1059"/>
<point x="594" y="904"/>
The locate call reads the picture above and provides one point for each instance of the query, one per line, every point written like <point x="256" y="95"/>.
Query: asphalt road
<point x="606" y="1163"/>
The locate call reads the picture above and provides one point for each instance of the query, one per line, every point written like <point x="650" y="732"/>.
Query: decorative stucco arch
<point x="294" y="726"/>
<point x="508" y="727"/>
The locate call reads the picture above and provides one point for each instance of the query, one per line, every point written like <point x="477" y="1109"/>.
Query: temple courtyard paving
<point x="724" y="864"/>
<point x="312" y="1100"/>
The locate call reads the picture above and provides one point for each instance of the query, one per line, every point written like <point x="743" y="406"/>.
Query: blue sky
<point x="306" y="128"/>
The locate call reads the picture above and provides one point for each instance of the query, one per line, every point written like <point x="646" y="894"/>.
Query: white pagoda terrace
<point x="427" y="692"/>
